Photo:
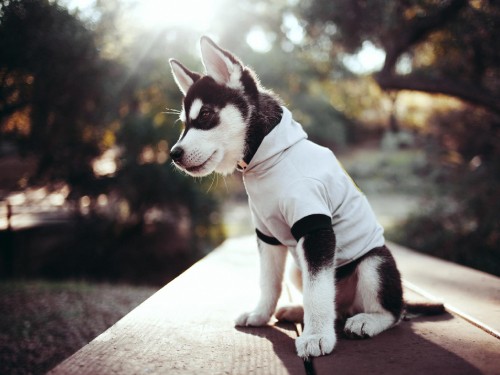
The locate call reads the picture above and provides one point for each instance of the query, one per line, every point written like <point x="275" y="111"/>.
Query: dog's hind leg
<point x="292" y="313"/>
<point x="379" y="298"/>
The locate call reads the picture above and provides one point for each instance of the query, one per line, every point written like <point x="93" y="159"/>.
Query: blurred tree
<point x="68" y="93"/>
<point x="448" y="47"/>
<point x="153" y="189"/>
<point x="460" y="220"/>
<point x="57" y="93"/>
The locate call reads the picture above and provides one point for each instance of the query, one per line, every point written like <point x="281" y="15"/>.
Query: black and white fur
<point x="227" y="114"/>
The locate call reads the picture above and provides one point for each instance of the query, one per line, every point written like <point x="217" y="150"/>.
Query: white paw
<point x="253" y="318"/>
<point x="315" y="345"/>
<point x="367" y="325"/>
<point x="294" y="314"/>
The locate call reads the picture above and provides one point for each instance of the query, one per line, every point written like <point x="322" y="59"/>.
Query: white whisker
<point x="172" y="110"/>
<point x="225" y="183"/>
<point x="212" y="184"/>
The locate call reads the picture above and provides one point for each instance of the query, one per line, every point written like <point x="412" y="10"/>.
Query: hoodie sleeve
<point x="306" y="207"/>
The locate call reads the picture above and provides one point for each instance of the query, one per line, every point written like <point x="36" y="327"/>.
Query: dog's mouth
<point x="198" y="168"/>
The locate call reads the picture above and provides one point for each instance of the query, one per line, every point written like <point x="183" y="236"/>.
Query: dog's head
<point x="216" y="112"/>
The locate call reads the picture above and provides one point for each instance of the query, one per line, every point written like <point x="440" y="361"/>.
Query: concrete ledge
<point x="187" y="328"/>
<point x="472" y="294"/>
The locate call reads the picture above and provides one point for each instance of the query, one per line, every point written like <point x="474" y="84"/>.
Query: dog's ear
<point x="220" y="64"/>
<point x="183" y="76"/>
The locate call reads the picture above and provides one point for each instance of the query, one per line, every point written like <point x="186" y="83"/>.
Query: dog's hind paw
<point x="366" y="325"/>
<point x="315" y="345"/>
<point x="253" y="319"/>
<point x="294" y="314"/>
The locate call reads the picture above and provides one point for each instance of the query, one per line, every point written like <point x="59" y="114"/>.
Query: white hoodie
<point x="294" y="185"/>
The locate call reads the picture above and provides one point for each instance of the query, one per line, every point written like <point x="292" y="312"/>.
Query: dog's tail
<point x="413" y="310"/>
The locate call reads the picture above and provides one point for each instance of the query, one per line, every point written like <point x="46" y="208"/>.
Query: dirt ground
<point x="42" y="323"/>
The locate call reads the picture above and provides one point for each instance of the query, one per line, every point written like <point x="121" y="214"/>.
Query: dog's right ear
<point x="183" y="76"/>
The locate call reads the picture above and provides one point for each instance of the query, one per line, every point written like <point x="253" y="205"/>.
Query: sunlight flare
<point x="192" y="14"/>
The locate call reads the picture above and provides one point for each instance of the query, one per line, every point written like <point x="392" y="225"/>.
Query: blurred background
<point x="93" y="216"/>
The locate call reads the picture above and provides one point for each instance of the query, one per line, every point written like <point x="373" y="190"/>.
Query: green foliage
<point x="51" y="71"/>
<point x="71" y="89"/>
<point x="460" y="221"/>
<point x="67" y="96"/>
<point x="322" y="122"/>
<point x="448" y="47"/>
<point x="147" y="181"/>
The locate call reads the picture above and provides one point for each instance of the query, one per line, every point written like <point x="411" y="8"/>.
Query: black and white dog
<point x="301" y="200"/>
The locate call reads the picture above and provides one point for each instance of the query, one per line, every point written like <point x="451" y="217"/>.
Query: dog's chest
<point x="289" y="186"/>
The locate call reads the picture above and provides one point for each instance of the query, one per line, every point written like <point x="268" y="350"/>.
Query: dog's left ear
<point x="220" y="64"/>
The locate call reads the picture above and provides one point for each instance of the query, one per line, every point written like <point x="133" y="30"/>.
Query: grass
<point x="42" y="323"/>
<point x="393" y="171"/>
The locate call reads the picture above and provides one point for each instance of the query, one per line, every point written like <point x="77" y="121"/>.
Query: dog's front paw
<point x="315" y="345"/>
<point x="253" y="319"/>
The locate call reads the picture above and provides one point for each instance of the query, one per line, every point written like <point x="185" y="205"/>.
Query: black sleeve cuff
<point x="267" y="239"/>
<point x="310" y="224"/>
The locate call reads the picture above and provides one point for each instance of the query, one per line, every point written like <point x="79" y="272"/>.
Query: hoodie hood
<point x="287" y="133"/>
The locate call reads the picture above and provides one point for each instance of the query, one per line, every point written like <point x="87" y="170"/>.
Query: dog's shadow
<point x="281" y="336"/>
<point x="403" y="349"/>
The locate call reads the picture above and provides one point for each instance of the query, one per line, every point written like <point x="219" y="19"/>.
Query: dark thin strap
<point x="267" y="239"/>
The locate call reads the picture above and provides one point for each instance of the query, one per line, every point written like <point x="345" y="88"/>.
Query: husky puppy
<point x="301" y="200"/>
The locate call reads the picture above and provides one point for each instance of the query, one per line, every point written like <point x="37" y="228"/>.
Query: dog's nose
<point x="176" y="153"/>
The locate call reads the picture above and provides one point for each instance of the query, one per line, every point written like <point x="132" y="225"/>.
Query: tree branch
<point x="417" y="30"/>
<point x="461" y="90"/>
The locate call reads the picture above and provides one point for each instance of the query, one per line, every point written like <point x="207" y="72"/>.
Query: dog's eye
<point x="205" y="114"/>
